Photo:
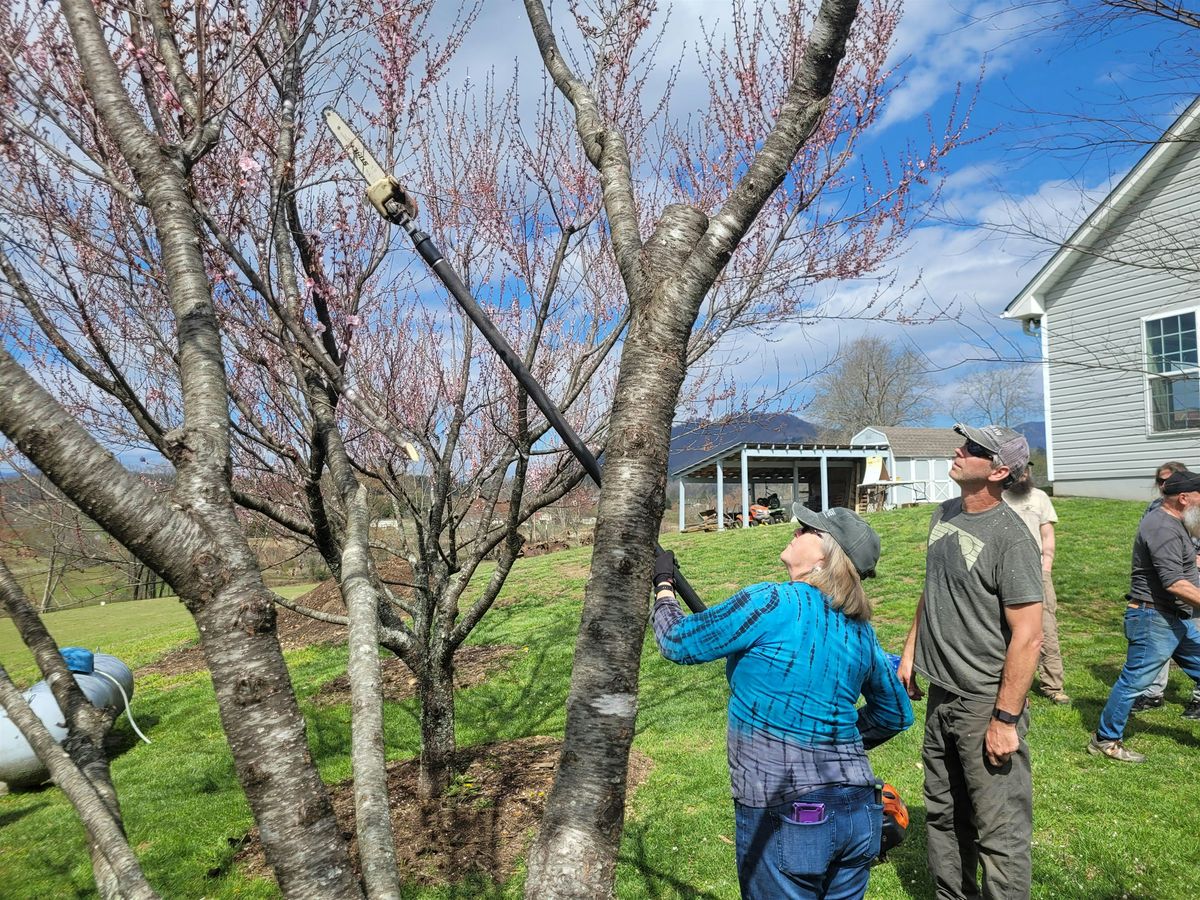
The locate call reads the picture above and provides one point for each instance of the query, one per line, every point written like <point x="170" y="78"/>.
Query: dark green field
<point x="1103" y="830"/>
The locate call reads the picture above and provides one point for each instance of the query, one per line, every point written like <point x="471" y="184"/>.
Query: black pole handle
<point x="429" y="252"/>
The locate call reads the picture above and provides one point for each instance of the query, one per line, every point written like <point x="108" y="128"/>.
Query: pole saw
<point x="395" y="204"/>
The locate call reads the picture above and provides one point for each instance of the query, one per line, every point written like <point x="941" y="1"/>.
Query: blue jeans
<point x="829" y="859"/>
<point x="1154" y="637"/>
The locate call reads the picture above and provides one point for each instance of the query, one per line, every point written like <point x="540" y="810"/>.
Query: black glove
<point x="664" y="569"/>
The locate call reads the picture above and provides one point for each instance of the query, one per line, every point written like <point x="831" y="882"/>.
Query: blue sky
<point x="1029" y="170"/>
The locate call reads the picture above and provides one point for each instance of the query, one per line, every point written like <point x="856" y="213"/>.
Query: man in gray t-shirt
<point x="1164" y="590"/>
<point x="976" y="564"/>
<point x="976" y="637"/>
<point x="1155" y="695"/>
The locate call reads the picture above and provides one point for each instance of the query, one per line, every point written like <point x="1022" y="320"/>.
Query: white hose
<point x="125" y="697"/>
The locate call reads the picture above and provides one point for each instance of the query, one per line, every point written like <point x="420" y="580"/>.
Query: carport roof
<point x="772" y="461"/>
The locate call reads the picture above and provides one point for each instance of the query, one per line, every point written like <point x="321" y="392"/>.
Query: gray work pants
<point x="975" y="813"/>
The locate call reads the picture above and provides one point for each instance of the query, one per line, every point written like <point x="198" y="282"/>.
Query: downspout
<point x="1032" y="326"/>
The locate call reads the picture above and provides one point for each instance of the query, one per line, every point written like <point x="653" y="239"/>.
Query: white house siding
<point x="1098" y="395"/>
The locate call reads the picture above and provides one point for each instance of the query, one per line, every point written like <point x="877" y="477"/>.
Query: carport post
<point x="824" y="482"/>
<point x="682" y="524"/>
<point x="720" y="496"/>
<point x="795" y="481"/>
<point x="745" y="490"/>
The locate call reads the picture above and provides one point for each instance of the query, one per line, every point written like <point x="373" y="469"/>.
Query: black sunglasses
<point x="806" y="529"/>
<point x="976" y="449"/>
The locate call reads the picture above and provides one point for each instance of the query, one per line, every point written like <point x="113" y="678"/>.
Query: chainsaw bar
<point x="382" y="188"/>
<point x="384" y="191"/>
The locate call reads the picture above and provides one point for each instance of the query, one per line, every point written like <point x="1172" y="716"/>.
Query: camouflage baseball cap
<point x="1008" y="447"/>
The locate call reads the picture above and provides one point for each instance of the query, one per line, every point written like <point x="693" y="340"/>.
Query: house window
<point x="1173" y="372"/>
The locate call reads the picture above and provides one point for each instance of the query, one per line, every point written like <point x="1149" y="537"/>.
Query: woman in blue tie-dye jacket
<point x="798" y="656"/>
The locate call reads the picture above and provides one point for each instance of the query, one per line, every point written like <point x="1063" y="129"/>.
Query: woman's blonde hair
<point x="838" y="580"/>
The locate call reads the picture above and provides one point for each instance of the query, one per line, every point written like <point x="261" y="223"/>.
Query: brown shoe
<point x="1056" y="697"/>
<point x="1114" y="750"/>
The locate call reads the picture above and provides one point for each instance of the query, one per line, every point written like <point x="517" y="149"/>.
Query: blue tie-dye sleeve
<point x="888" y="710"/>
<point x="728" y="627"/>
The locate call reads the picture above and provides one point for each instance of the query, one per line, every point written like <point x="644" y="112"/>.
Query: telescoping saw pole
<point x="395" y="204"/>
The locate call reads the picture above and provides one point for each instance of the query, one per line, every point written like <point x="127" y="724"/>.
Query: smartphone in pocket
<point x="807" y="813"/>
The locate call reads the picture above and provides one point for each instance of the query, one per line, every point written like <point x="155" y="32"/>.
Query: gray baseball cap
<point x="857" y="539"/>
<point x="1009" y="447"/>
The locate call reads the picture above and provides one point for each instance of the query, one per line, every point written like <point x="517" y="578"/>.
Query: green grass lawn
<point x="76" y="587"/>
<point x="136" y="631"/>
<point x="1102" y="830"/>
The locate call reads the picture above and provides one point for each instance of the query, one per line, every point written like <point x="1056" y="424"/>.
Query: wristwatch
<point x="1006" y="717"/>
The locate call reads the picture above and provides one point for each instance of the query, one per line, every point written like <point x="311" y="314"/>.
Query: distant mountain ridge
<point x="692" y="441"/>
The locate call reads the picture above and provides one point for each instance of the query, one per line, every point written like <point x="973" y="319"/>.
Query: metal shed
<point x="828" y="473"/>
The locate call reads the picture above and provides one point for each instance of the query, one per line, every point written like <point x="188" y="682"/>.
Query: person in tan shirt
<point x="1037" y="512"/>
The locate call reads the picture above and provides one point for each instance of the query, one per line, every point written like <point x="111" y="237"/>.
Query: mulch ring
<point x="483" y="826"/>
<point x="472" y="666"/>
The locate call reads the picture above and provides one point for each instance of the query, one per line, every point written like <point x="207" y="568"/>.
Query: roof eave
<point x="1027" y="304"/>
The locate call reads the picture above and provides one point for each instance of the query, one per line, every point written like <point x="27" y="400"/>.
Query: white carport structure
<point x="830" y="472"/>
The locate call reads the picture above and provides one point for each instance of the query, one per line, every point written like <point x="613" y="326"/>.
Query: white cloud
<point x="944" y="44"/>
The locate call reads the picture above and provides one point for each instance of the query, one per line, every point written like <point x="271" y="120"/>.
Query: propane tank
<point x="98" y="676"/>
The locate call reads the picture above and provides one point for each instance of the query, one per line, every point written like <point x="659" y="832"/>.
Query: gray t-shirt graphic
<point x="977" y="563"/>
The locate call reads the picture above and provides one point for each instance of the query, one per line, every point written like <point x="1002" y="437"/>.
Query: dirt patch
<point x="482" y="827"/>
<point x="472" y="666"/>
<point x="575" y="570"/>
<point x="298" y="630"/>
<point x="182" y="661"/>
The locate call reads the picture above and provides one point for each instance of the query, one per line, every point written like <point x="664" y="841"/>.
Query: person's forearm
<point x="665" y="615"/>
<point x="1047" y="533"/>
<point x="1185" y="591"/>
<point x="910" y="641"/>
<point x="1019" y="665"/>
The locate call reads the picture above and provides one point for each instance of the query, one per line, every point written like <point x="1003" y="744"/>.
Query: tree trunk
<point x="86" y="725"/>
<point x="104" y="831"/>
<point x="266" y="733"/>
<point x="372" y="806"/>
<point x="437" y="727"/>
<point x="576" y="850"/>
<point x="51" y="581"/>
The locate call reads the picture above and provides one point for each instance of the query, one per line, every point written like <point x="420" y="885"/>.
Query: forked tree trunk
<point x="667" y="278"/>
<point x="576" y="850"/>
<point x="215" y="572"/>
